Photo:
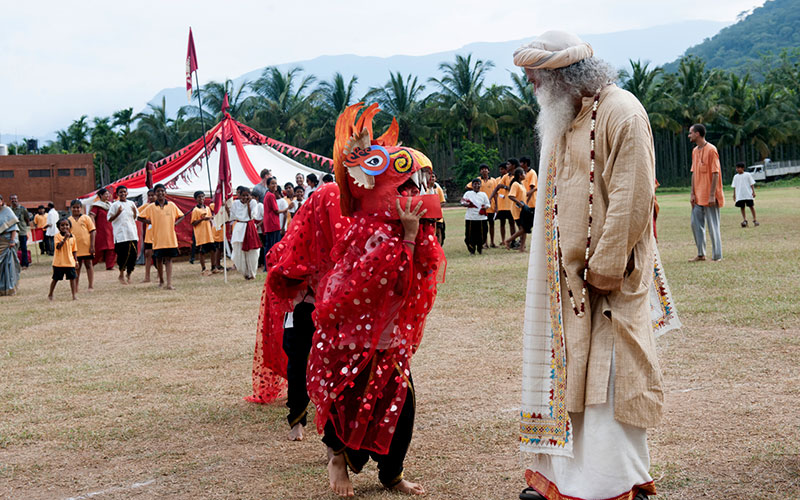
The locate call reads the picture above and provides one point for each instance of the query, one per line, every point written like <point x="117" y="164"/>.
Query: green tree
<point x="400" y="98"/>
<point x="461" y="93"/>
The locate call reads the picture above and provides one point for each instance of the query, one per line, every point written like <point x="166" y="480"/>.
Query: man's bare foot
<point x="169" y="287"/>
<point x="90" y="289"/>
<point x="121" y="279"/>
<point x="146" y="280"/>
<point x="74" y="298"/>
<point x="699" y="258"/>
<point x="521" y="249"/>
<point x="129" y="279"/>
<point x="50" y="298"/>
<point x="296" y="434"/>
<point x="409" y="488"/>
<point x="160" y="284"/>
<point x="337" y="475"/>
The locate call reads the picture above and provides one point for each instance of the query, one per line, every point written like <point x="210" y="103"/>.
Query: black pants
<point x="23" y="247"/>
<point x="390" y="466"/>
<point x="49" y="244"/>
<point x="297" y="345"/>
<point x="126" y="255"/>
<point x="474" y="235"/>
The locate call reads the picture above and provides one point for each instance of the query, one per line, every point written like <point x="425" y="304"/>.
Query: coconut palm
<point x="399" y="97"/>
<point x="282" y="102"/>
<point x="461" y="92"/>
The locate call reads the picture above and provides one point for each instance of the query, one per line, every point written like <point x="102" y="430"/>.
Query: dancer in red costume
<point x="371" y="307"/>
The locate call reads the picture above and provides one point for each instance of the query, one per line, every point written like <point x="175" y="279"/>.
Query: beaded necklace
<point x="580" y="312"/>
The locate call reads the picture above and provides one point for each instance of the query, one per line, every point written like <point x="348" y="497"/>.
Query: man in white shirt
<point x="51" y="228"/>
<point x="744" y="192"/>
<point x="475" y="219"/>
<point x="122" y="215"/>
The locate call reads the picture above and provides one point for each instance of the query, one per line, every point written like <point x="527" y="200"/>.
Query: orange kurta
<point x="64" y="256"/>
<point x="705" y="163"/>
<point x="163" y="220"/>
<point x="202" y="232"/>
<point x="531" y="181"/>
<point x="518" y="192"/>
<point x="81" y="230"/>
<point x="503" y="203"/>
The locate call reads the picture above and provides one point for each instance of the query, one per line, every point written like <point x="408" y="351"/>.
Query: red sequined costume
<point x="371" y="308"/>
<point x="298" y="261"/>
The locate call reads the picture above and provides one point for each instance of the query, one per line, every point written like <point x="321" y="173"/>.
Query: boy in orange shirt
<point x="203" y="233"/>
<point x="83" y="231"/>
<point x="64" y="258"/>
<point x="149" y="261"/>
<point x="163" y="215"/>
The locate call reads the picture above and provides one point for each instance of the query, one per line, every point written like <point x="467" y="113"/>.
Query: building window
<point x="6" y="174"/>
<point x="79" y="172"/>
<point x="43" y="172"/>
<point x="63" y="172"/>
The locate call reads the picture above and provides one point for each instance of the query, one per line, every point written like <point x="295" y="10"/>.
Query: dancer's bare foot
<point x="90" y="289"/>
<point x="169" y="287"/>
<point x="146" y="280"/>
<point x="129" y="279"/>
<point x="296" y="434"/>
<point x="409" y="488"/>
<point x="122" y="280"/>
<point x="50" y="298"/>
<point x="160" y="284"/>
<point x="337" y="475"/>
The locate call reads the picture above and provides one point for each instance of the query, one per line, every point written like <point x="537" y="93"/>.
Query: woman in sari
<point x="9" y="261"/>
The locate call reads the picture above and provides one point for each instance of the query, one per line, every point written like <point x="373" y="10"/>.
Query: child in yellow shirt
<point x="64" y="258"/>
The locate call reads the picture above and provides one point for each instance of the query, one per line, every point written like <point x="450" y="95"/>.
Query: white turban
<point x="552" y="50"/>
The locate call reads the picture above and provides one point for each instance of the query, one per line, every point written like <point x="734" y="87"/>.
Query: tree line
<point x="458" y="120"/>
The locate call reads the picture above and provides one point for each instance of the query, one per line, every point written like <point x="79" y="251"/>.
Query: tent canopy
<point x="186" y="171"/>
<point x="249" y="152"/>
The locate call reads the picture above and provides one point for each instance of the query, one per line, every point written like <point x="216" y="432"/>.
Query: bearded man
<point x="591" y="380"/>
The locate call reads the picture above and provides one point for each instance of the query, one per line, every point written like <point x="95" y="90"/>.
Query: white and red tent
<point x="186" y="171"/>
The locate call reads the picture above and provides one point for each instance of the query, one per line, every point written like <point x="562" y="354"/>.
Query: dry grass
<point x="137" y="392"/>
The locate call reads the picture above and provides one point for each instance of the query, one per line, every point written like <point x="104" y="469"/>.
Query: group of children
<point x="76" y="241"/>
<point x="509" y="199"/>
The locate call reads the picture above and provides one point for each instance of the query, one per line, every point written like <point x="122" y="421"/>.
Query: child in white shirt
<point x="744" y="192"/>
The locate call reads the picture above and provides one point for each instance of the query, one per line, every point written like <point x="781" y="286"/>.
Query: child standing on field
<point x="744" y="192"/>
<point x="64" y="258"/>
<point x="203" y="232"/>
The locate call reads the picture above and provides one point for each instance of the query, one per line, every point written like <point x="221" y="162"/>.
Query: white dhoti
<point x="245" y="262"/>
<point x="610" y="459"/>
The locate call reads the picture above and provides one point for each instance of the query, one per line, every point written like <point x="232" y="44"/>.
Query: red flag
<point x="225" y="104"/>
<point x="191" y="65"/>
<point x="148" y="179"/>
<point x="224" y="190"/>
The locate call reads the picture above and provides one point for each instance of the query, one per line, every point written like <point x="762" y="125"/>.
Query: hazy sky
<point x="62" y="59"/>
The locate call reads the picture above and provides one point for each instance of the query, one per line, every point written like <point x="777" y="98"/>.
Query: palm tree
<point x="399" y="97"/>
<point x="647" y="85"/>
<point x="240" y="105"/>
<point x="332" y="97"/>
<point x="335" y="95"/>
<point x="282" y="101"/>
<point x="158" y="129"/>
<point x="460" y="92"/>
<point x="78" y="133"/>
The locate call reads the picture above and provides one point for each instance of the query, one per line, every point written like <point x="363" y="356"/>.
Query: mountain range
<point x="658" y="45"/>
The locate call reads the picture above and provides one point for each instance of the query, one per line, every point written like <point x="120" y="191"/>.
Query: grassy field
<point x="135" y="392"/>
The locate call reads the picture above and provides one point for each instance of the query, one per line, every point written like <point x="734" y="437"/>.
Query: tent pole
<point x="205" y="146"/>
<point x="225" y="251"/>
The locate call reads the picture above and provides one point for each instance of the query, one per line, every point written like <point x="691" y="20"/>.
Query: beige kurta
<point x="621" y="258"/>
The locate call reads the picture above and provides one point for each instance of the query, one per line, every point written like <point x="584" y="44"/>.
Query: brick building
<point x="39" y="179"/>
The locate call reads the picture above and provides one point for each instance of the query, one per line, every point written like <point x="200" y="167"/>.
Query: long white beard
<point x="556" y="113"/>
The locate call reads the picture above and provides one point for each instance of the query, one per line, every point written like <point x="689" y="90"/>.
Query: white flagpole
<point x="225" y="250"/>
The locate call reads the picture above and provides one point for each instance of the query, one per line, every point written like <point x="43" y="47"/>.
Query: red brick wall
<point x="45" y="178"/>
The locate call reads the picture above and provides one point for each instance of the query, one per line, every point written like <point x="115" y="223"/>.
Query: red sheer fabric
<point x="370" y="316"/>
<point x="295" y="263"/>
<point x="251" y="239"/>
